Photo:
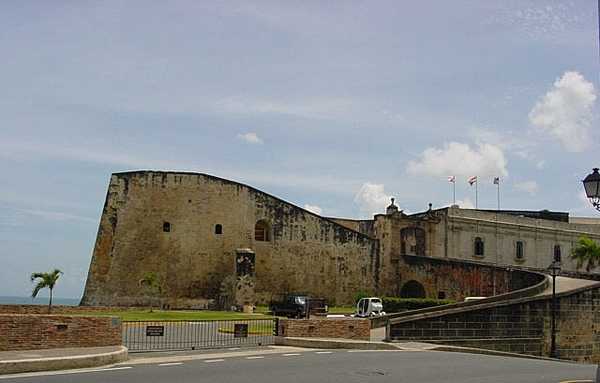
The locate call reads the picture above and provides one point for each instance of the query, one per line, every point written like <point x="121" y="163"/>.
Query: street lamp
<point x="554" y="269"/>
<point x="591" y="183"/>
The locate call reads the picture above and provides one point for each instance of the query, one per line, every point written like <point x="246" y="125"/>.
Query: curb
<point x="333" y="343"/>
<point x="63" y="363"/>
<point x="482" y="351"/>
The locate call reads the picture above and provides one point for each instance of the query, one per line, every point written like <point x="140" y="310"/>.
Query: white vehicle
<point x="369" y="307"/>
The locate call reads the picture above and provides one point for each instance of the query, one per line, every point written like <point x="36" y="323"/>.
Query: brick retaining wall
<point x="326" y="328"/>
<point x="34" y="332"/>
<point x="525" y="322"/>
<point x="59" y="309"/>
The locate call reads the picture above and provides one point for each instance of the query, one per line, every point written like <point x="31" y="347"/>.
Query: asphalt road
<point x="335" y="366"/>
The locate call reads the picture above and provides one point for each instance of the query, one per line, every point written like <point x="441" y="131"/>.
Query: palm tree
<point x="151" y="283"/>
<point x="45" y="280"/>
<point x="586" y="251"/>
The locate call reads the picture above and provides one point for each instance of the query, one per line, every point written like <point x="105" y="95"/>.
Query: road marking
<point x="255" y="357"/>
<point x="291" y="354"/>
<point x="214" y="360"/>
<point x="324" y="352"/>
<point x="233" y="348"/>
<point x="577" y="381"/>
<point x="170" y="364"/>
<point x="108" y="369"/>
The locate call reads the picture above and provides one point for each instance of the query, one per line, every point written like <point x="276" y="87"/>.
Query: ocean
<point x="6" y="300"/>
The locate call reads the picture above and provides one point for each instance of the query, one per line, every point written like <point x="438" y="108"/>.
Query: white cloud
<point x="565" y="112"/>
<point x="250" y="137"/>
<point x="372" y="199"/>
<point x="314" y="209"/>
<point x="530" y="187"/>
<point x="460" y="159"/>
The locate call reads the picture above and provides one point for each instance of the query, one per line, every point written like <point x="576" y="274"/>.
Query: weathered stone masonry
<point x="191" y="228"/>
<point x="304" y="252"/>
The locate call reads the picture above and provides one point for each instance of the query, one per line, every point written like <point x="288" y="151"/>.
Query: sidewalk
<point x="13" y="362"/>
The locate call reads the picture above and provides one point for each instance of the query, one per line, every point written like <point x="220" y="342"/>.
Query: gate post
<point x="276" y="328"/>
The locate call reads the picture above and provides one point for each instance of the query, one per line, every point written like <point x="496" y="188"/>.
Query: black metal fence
<point x="193" y="335"/>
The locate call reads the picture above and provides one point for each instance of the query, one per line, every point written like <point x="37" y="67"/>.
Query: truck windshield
<point x="300" y="300"/>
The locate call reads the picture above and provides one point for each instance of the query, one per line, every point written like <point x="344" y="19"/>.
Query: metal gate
<point x="193" y="335"/>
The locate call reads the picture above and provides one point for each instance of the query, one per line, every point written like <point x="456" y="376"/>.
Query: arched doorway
<point x="412" y="289"/>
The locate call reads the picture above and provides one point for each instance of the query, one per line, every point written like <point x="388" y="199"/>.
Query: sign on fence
<point x="240" y="330"/>
<point x="155" y="330"/>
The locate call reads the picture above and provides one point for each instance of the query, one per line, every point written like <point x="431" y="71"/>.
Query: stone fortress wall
<point x="190" y="228"/>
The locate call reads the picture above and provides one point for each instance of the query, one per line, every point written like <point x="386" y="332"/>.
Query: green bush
<point x="395" y="304"/>
<point x="360" y="295"/>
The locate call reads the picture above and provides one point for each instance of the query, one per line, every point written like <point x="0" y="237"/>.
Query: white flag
<point x="472" y="180"/>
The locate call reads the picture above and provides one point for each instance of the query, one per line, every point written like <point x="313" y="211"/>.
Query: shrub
<point x="395" y="304"/>
<point x="360" y="295"/>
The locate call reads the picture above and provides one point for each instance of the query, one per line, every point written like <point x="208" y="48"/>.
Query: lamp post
<point x="591" y="183"/>
<point x="554" y="269"/>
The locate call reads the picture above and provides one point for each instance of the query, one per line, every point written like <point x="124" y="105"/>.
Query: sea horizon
<point x="15" y="300"/>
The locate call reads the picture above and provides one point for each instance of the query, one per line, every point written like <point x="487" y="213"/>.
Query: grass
<point x="332" y="309"/>
<point x="172" y="315"/>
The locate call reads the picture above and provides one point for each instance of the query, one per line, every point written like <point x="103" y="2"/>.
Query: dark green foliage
<point x="394" y="304"/>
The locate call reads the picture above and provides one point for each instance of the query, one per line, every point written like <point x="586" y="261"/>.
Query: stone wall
<point x="521" y="325"/>
<point x="34" y="332"/>
<point x="325" y="328"/>
<point x="455" y="280"/>
<point x="304" y="253"/>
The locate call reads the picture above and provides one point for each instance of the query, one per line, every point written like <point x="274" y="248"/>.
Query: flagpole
<point x="454" y="192"/>
<point x="498" y="194"/>
<point x="476" y="194"/>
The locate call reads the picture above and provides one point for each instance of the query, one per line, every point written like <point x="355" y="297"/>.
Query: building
<point x="195" y="231"/>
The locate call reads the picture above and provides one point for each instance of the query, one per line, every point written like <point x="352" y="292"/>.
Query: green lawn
<point x="160" y="315"/>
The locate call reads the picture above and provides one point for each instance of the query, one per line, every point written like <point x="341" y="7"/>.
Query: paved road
<point x="333" y="366"/>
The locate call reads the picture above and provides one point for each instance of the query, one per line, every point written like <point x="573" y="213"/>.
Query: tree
<point x="587" y="251"/>
<point x="151" y="284"/>
<point x="45" y="280"/>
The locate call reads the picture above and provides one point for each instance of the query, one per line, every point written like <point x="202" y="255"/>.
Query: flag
<point x="451" y="179"/>
<point x="472" y="180"/>
<point x="496" y="180"/>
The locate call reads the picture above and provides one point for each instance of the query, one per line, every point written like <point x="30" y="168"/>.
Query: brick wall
<point x="325" y="328"/>
<point x="34" y="332"/>
<point x="59" y="310"/>
<point x="522" y="326"/>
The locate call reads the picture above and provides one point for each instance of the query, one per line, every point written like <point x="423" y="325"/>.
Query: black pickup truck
<point x="298" y="306"/>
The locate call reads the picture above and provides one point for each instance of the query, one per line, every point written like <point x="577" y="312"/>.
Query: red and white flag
<point x="472" y="180"/>
<point x="451" y="179"/>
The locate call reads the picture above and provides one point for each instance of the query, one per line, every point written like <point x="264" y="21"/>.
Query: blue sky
<point x="331" y="105"/>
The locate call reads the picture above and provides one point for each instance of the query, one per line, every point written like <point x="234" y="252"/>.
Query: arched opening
<point x="479" y="247"/>
<point x="218" y="228"/>
<point x="262" y="231"/>
<point x="412" y="289"/>
<point x="412" y="241"/>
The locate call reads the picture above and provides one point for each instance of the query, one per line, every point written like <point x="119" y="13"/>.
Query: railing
<point x="192" y="335"/>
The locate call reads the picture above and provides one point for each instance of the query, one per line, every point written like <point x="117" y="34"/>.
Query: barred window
<point x="218" y="228"/>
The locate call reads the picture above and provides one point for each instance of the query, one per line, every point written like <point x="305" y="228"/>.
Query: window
<point x="262" y="231"/>
<point x="166" y="227"/>
<point x="218" y="228"/>
<point x="519" y="247"/>
<point x="479" y="248"/>
<point x="441" y="295"/>
<point x="557" y="253"/>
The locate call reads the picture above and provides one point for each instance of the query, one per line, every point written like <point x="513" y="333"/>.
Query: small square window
<point x="166" y="227"/>
<point x="218" y="229"/>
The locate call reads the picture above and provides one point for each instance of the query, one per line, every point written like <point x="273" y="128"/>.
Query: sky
<point x="333" y="106"/>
